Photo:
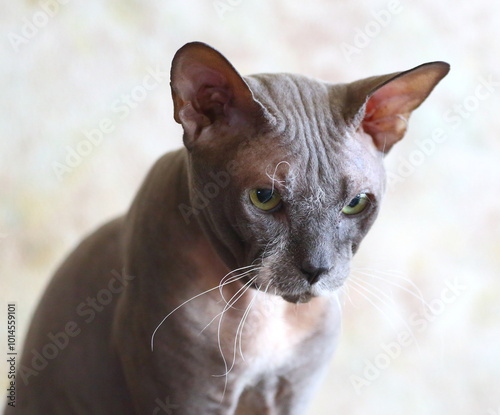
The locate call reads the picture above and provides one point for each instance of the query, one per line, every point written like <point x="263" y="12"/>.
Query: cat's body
<point x="316" y="149"/>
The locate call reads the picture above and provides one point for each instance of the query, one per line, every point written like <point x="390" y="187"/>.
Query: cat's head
<point x="286" y="171"/>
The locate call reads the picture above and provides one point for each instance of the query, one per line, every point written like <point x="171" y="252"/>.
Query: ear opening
<point x="389" y="101"/>
<point x="207" y="89"/>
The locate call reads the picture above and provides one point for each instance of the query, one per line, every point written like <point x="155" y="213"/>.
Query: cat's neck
<point x="157" y="236"/>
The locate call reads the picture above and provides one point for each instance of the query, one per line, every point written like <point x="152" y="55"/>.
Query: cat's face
<point x="303" y="238"/>
<point x="309" y="175"/>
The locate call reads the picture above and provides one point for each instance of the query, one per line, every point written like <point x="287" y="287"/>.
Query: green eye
<point x="356" y="205"/>
<point x="265" y="199"/>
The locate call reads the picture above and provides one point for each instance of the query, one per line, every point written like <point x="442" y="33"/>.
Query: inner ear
<point x="387" y="113"/>
<point x="390" y="99"/>
<point x="206" y="89"/>
<point x="213" y="101"/>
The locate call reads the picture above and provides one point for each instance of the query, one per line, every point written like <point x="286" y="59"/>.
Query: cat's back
<point x="88" y="266"/>
<point x="69" y="356"/>
<point x="69" y="337"/>
<point x="96" y="265"/>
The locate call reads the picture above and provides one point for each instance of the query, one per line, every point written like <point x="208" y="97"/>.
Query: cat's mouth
<point x="297" y="298"/>
<point x="303" y="297"/>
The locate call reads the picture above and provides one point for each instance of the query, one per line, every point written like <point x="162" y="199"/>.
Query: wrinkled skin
<point x="318" y="146"/>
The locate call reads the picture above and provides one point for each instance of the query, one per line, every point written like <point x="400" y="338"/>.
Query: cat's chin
<point x="298" y="299"/>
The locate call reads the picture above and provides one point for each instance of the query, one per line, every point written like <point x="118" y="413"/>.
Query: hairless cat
<point x="216" y="293"/>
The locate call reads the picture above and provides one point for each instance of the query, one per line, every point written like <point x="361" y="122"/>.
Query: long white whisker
<point x="242" y="325"/>
<point x="382" y="311"/>
<point x="378" y="289"/>
<point x="255" y="267"/>
<point x="233" y="300"/>
<point x="228" y="305"/>
<point x="394" y="274"/>
<point x="246" y="315"/>
<point x="185" y="302"/>
<point x="370" y="301"/>
<point x="345" y="290"/>
<point x="245" y="287"/>
<point x="418" y="296"/>
<point x="247" y="267"/>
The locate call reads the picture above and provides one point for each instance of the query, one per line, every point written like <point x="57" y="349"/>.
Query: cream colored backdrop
<point x="72" y="69"/>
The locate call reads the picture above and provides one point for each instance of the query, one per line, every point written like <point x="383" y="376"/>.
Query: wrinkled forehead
<point x="295" y="95"/>
<point x="311" y="169"/>
<point x="310" y="151"/>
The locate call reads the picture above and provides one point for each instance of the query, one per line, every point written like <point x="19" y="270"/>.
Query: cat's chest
<point x="275" y="333"/>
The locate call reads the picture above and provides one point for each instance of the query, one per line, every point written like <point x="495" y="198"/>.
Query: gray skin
<point x="318" y="145"/>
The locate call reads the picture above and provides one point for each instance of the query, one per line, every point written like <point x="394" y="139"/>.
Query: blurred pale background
<point x="65" y="69"/>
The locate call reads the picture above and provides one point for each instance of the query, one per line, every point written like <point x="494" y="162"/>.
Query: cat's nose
<point x="313" y="272"/>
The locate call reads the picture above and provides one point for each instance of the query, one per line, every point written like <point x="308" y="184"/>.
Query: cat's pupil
<point x="354" y="201"/>
<point x="264" y="195"/>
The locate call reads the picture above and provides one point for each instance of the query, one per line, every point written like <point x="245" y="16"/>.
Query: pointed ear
<point x="207" y="90"/>
<point x="381" y="106"/>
